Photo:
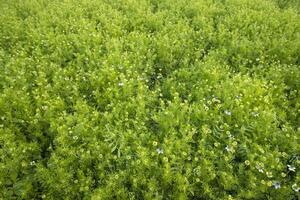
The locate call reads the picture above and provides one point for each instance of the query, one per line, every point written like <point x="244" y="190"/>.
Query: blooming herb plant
<point x="149" y="99"/>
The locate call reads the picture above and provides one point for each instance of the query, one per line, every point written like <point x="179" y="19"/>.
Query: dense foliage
<point x="149" y="99"/>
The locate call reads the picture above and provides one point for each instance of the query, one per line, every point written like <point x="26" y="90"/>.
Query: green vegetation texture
<point x="150" y="99"/>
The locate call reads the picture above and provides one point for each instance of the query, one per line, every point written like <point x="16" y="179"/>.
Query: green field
<point x="150" y="99"/>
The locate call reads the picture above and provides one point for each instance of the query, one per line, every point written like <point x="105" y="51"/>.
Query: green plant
<point x="149" y="99"/>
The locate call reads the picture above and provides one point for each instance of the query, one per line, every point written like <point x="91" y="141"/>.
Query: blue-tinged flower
<point x="276" y="185"/>
<point x="291" y="168"/>
<point x="160" y="151"/>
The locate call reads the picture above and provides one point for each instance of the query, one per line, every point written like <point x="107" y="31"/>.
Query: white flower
<point x="291" y="168"/>
<point x="269" y="174"/>
<point x="206" y="108"/>
<point x="160" y="151"/>
<point x="120" y="84"/>
<point x="227" y="148"/>
<point x="32" y="163"/>
<point x="227" y="112"/>
<point x="247" y="162"/>
<point x="259" y="168"/>
<point x="215" y="99"/>
<point x="276" y="185"/>
<point x="238" y="97"/>
<point x="295" y="187"/>
<point x="255" y="114"/>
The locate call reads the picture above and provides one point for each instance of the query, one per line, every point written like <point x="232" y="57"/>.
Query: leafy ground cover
<point x="149" y="99"/>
